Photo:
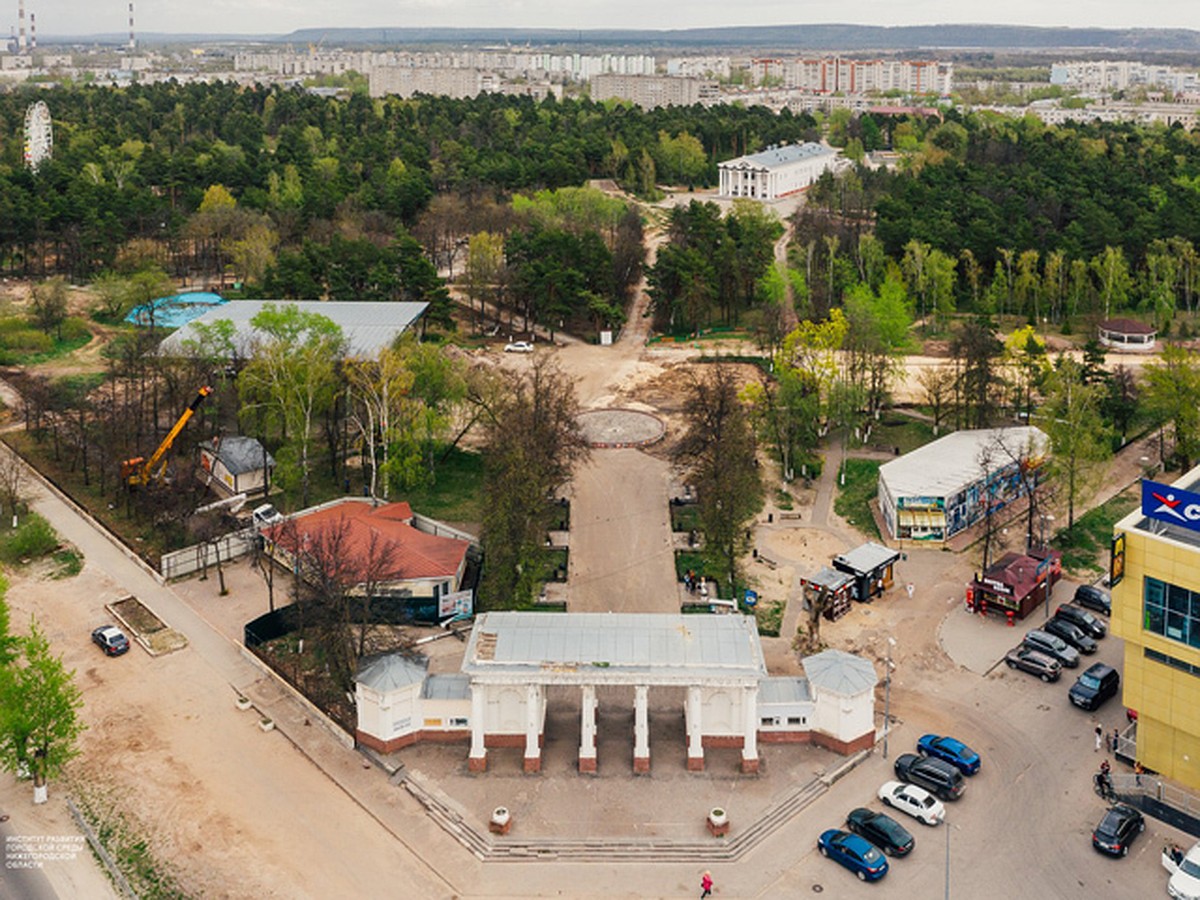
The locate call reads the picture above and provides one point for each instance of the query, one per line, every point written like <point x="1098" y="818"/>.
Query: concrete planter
<point x="501" y="821"/>
<point x="717" y="822"/>
<point x="266" y="724"/>
<point x="242" y="703"/>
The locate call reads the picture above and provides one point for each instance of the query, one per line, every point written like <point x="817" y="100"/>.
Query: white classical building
<point x="776" y="171"/>
<point x="513" y="658"/>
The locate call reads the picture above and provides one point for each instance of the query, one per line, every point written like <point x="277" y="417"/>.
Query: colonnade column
<point x="587" y="730"/>
<point x="533" y="729"/>
<point x="695" y="754"/>
<point x="750" y="735"/>
<point x="477" y="761"/>
<point x="641" y="729"/>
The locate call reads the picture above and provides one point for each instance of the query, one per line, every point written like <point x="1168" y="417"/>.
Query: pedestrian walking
<point x="706" y="885"/>
<point x="1099" y="737"/>
<point x="1116" y="739"/>
<point x="1138" y="770"/>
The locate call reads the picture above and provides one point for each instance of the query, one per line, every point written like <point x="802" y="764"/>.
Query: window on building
<point x="458" y="722"/>
<point x="1172" y="611"/>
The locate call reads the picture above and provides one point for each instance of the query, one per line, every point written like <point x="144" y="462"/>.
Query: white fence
<point x="194" y="558"/>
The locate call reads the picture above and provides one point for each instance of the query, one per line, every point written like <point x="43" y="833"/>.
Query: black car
<point x="1042" y="665"/>
<point x="881" y="830"/>
<point x="111" y="640"/>
<point x="1071" y="633"/>
<point x="1094" y="598"/>
<point x="1116" y="831"/>
<point x="939" y="778"/>
<point x="1094" y="686"/>
<point x="1086" y="622"/>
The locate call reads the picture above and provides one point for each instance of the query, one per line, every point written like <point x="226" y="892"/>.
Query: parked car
<point x="1071" y="633"/>
<point x="111" y="640"/>
<point x="1036" y="662"/>
<point x="1088" y="623"/>
<point x="1094" y="598"/>
<point x="950" y="750"/>
<point x="1185" y="873"/>
<point x="881" y="830"/>
<point x="915" y="801"/>
<point x="1117" y="830"/>
<point x="857" y="854"/>
<point x="265" y="516"/>
<point x="1094" y="686"/>
<point x="1053" y="646"/>
<point x="939" y="778"/>
<point x="518" y="347"/>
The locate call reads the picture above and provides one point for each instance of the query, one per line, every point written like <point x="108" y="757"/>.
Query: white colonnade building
<point x="776" y="171"/>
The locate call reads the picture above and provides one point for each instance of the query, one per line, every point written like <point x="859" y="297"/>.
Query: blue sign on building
<point x="1171" y="504"/>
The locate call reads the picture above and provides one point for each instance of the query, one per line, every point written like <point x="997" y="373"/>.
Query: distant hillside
<point x="786" y="37"/>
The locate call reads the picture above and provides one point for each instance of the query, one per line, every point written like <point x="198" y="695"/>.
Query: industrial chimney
<point x="21" y="27"/>
<point x="132" y="41"/>
<point x="32" y="32"/>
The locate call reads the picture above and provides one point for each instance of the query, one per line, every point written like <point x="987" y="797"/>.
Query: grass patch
<point x="22" y="343"/>
<point x="32" y="539"/>
<point x="69" y="563"/>
<point x="901" y="431"/>
<point x="553" y="564"/>
<point x="783" y="499"/>
<point x="457" y="495"/>
<point x="558" y="517"/>
<point x="854" y="497"/>
<point x="1086" y="545"/>
<point x="685" y="517"/>
<point x="769" y="617"/>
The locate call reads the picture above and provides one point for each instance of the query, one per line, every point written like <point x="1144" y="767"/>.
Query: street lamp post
<point x="887" y="695"/>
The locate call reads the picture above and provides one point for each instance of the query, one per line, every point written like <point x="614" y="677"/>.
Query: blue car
<point x="856" y="853"/>
<point x="949" y="750"/>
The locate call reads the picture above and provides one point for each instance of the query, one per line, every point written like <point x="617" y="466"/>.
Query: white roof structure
<point x="784" y="689"/>
<point x="839" y="672"/>
<point x="616" y="648"/>
<point x="367" y="326"/>
<point x="390" y="672"/>
<point x="784" y="155"/>
<point x="446" y="687"/>
<point x="949" y="464"/>
<point x="868" y="556"/>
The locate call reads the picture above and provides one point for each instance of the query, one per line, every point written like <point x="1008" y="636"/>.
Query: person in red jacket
<point x="706" y="885"/>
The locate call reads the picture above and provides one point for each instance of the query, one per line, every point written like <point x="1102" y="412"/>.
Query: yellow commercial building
<point x="1156" y="611"/>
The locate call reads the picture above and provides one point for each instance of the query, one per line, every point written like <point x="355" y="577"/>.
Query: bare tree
<point x="937" y="392"/>
<point x="13" y="477"/>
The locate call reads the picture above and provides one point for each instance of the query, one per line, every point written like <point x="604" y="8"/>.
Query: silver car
<point x="1053" y="646"/>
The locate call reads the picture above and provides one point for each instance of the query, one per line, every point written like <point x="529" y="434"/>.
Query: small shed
<point x="387" y="695"/>
<point x="1128" y="334"/>
<point x="236" y="465"/>
<point x="1015" y="585"/>
<point x="872" y="566"/>
<point x="785" y="709"/>
<point x="843" y="688"/>
<point x="838" y="585"/>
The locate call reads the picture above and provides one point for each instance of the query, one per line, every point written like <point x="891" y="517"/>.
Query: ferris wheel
<point x="39" y="135"/>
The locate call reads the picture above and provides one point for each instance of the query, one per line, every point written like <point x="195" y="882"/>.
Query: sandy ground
<point x="229" y="810"/>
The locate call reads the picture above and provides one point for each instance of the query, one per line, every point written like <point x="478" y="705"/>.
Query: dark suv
<point x="1087" y="623"/>
<point x="1071" y="633"/>
<point x="1116" y="831"/>
<point x="1094" y="686"/>
<point x="939" y="778"/>
<point x="1094" y="598"/>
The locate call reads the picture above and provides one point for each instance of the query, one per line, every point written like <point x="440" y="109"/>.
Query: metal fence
<point x="198" y="556"/>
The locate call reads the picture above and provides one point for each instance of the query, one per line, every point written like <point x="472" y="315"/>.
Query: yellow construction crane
<point x="140" y="471"/>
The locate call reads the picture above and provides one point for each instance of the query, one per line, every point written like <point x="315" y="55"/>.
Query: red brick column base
<point x="587" y="765"/>
<point x="695" y="764"/>
<point x="533" y="764"/>
<point x="476" y="763"/>
<point x="641" y="765"/>
<point x="750" y="766"/>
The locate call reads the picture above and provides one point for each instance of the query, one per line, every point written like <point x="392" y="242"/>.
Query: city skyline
<point x="84" y="17"/>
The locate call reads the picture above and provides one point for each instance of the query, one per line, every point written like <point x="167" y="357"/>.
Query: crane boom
<point x="139" y="470"/>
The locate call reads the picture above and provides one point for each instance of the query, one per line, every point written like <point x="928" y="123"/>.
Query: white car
<point x="265" y="516"/>
<point x="518" y="347"/>
<point x="1185" y="874"/>
<point x="917" y="802"/>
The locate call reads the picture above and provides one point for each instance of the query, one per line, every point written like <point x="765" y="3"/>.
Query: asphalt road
<point x="19" y="883"/>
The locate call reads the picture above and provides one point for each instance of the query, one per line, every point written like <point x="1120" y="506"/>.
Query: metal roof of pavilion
<point x="840" y="672"/>
<point x="615" y="646"/>
<point x="784" y="689"/>
<point x="867" y="557"/>
<point x="391" y="672"/>
<point x="951" y="463"/>
<point x="446" y="687"/>
<point x="783" y="155"/>
<point x="367" y="326"/>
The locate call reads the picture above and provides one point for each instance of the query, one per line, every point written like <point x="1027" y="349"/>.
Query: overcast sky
<point x="62" y="17"/>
